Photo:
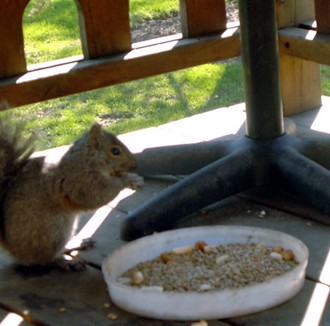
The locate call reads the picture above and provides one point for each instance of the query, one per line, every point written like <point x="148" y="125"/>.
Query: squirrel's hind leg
<point x="73" y="264"/>
<point x="69" y="265"/>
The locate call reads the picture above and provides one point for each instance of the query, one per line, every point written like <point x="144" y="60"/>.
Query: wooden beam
<point x="200" y="17"/>
<point x="104" y="27"/>
<point x="74" y="77"/>
<point x="12" y="55"/>
<point x="305" y="44"/>
<point x="322" y="12"/>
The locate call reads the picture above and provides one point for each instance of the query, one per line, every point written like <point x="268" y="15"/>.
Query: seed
<point x="278" y="249"/>
<point x="217" y="267"/>
<point x="200" y="245"/>
<point x="62" y="309"/>
<point x="221" y="259"/>
<point x="208" y="249"/>
<point x="182" y="250"/>
<point x="288" y="255"/>
<point x="107" y="305"/>
<point x="137" y="278"/>
<point x="165" y="257"/>
<point x="112" y="316"/>
<point x="262" y="247"/>
<point x="276" y="255"/>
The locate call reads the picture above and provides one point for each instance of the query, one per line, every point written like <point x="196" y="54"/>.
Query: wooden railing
<point x="110" y="58"/>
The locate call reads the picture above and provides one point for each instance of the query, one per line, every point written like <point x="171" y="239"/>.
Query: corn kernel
<point x="288" y="255"/>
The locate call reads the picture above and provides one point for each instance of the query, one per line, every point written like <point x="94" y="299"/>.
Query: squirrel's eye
<point x="115" y="151"/>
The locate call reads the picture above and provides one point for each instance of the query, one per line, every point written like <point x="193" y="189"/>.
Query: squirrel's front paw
<point x="134" y="181"/>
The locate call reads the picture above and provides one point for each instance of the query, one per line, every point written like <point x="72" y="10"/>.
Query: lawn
<point x="51" y="32"/>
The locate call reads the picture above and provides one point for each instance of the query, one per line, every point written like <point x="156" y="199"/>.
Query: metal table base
<point x="265" y="156"/>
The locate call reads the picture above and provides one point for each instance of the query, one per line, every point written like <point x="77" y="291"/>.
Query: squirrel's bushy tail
<point x="15" y="150"/>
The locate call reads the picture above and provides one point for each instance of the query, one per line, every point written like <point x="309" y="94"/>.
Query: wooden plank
<point x="80" y="76"/>
<point x="305" y="44"/>
<point x="294" y="12"/>
<point x="200" y="17"/>
<point x="322" y="12"/>
<point x="12" y="57"/>
<point x="57" y="298"/>
<point x="293" y="70"/>
<point x="104" y="27"/>
<point x="298" y="76"/>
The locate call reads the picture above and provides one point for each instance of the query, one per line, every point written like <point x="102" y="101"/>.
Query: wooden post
<point x="300" y="79"/>
<point x="322" y="12"/>
<point x="104" y="27"/>
<point x="12" y="56"/>
<point x="200" y="17"/>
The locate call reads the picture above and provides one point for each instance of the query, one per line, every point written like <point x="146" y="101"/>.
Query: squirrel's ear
<point x="95" y="134"/>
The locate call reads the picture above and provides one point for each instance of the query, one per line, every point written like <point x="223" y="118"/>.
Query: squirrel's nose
<point x="128" y="166"/>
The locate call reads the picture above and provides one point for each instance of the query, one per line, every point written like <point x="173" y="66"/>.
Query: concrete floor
<point x="59" y="298"/>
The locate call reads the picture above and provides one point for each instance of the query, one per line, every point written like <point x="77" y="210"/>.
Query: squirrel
<point x="41" y="202"/>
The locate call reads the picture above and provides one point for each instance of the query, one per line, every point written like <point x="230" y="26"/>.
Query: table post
<point x="259" y="50"/>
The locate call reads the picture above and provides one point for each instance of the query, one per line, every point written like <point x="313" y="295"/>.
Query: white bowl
<point x="202" y="305"/>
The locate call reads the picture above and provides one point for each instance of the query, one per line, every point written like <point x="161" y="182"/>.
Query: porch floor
<point x="59" y="298"/>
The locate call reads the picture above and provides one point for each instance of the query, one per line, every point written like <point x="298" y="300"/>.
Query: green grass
<point x="325" y="80"/>
<point x="148" y="9"/>
<point x="51" y="32"/>
<point x="135" y="105"/>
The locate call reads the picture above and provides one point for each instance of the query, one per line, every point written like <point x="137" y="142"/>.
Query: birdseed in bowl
<point x="204" y="267"/>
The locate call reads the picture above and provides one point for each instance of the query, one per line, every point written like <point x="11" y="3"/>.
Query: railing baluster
<point x="12" y="57"/>
<point x="322" y="12"/>
<point x="104" y="26"/>
<point x="200" y="17"/>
